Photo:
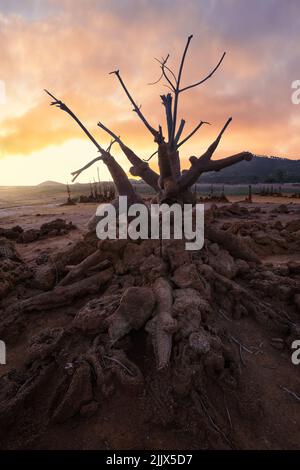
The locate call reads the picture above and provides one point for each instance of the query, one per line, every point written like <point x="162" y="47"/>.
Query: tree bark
<point x="199" y="166"/>
<point x="140" y="168"/>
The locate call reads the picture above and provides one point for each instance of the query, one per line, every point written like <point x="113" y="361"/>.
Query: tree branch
<point x="201" y="166"/>
<point x="177" y="91"/>
<point x="109" y="132"/>
<point x="65" y="108"/>
<point x="209" y="152"/>
<point x="76" y="173"/>
<point x="167" y="102"/>
<point x="172" y="73"/>
<point x="164" y="73"/>
<point x="121" y="180"/>
<point x="192" y="133"/>
<point x="135" y="107"/>
<point x="217" y="165"/>
<point x="122" y="183"/>
<point x="151" y="156"/>
<point x="207" y="77"/>
<point x="139" y="167"/>
<point x="179" y="132"/>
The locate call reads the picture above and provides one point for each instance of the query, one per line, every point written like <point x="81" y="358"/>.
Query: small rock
<point x="92" y="318"/>
<point x="293" y="225"/>
<point x="45" y="277"/>
<point x="136" y="306"/>
<point x="187" y="276"/>
<point x="241" y="266"/>
<point x="153" y="267"/>
<point x="177" y="254"/>
<point x="281" y="269"/>
<point x="29" y="236"/>
<point x="282" y="209"/>
<point x="223" y="263"/>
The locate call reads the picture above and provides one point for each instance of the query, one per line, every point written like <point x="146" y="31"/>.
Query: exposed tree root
<point x="95" y="260"/>
<point x="185" y="303"/>
<point x="165" y="324"/>
<point x="64" y="295"/>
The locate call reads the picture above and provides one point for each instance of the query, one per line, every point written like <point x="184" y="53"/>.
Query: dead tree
<point x="171" y="184"/>
<point x="69" y="193"/>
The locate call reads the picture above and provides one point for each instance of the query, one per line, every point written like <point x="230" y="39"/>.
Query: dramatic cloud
<point x="71" y="46"/>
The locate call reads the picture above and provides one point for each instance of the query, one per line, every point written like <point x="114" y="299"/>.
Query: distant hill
<point x="260" y="169"/>
<point x="50" y="183"/>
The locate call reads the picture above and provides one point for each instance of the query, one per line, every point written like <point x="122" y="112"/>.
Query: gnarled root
<point x="93" y="261"/>
<point x="165" y="324"/>
<point x="79" y="393"/>
<point x="64" y="295"/>
<point x="235" y="245"/>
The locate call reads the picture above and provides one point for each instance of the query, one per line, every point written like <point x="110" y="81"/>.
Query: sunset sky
<point x="70" y="46"/>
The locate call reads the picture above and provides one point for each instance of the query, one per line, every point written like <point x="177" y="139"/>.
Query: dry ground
<point x="262" y="412"/>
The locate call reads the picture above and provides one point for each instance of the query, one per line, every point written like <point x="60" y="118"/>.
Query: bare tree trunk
<point x="123" y="185"/>
<point x="141" y="168"/>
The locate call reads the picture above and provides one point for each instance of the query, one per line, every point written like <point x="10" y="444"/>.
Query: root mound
<point x="155" y="346"/>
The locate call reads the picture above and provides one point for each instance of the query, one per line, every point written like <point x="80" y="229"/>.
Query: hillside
<point x="261" y="169"/>
<point x="46" y="184"/>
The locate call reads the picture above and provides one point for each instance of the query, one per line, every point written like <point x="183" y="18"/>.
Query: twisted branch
<point x="64" y="107"/>
<point x="204" y="163"/>
<point x="192" y="133"/>
<point x="122" y="183"/>
<point x="165" y="68"/>
<point x="136" y="109"/>
<point x="139" y="167"/>
<point x="207" y="77"/>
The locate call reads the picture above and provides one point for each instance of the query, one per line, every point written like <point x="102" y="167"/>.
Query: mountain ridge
<point x="261" y="169"/>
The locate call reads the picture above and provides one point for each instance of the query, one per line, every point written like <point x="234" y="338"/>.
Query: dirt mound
<point x="12" y="269"/>
<point x="56" y="227"/>
<point x="185" y="345"/>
